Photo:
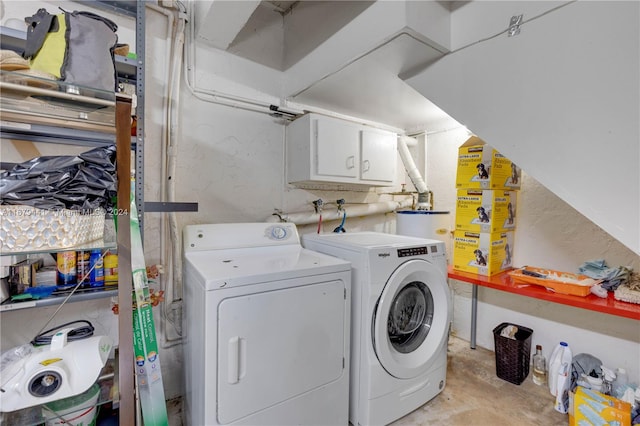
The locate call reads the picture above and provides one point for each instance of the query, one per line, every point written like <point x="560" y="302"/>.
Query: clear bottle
<point x="621" y="383"/>
<point x="539" y="367"/>
<point x="609" y="377"/>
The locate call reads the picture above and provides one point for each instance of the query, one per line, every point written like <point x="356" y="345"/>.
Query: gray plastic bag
<point x="78" y="47"/>
<point x="89" y="60"/>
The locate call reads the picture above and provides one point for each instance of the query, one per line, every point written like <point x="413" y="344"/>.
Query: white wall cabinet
<point x="323" y="149"/>
<point x="378" y="156"/>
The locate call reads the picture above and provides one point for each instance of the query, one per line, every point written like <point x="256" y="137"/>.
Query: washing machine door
<point x="411" y="319"/>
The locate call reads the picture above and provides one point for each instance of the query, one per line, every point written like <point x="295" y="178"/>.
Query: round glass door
<point x="411" y="319"/>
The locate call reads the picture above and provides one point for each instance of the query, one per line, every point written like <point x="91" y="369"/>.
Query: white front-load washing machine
<point x="401" y="312"/>
<point x="266" y="327"/>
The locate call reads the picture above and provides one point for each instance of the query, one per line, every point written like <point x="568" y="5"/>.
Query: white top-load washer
<point x="401" y="311"/>
<point x="267" y="328"/>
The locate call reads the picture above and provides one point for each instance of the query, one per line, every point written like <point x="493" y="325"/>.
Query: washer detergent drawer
<point x="275" y="345"/>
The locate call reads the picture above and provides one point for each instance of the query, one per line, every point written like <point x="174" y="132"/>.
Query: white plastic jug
<point x="563" y="380"/>
<point x="561" y="354"/>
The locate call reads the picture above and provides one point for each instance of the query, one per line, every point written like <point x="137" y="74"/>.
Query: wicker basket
<point x="26" y="228"/>
<point x="512" y="355"/>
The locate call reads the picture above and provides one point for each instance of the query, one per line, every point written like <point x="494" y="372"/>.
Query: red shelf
<point x="503" y="282"/>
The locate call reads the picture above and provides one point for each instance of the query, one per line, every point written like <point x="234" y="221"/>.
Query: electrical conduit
<point x="168" y="152"/>
<point x="219" y="97"/>
<point x="175" y="279"/>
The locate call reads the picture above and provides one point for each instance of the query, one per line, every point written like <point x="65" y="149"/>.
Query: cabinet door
<point x="277" y="345"/>
<point x="336" y="148"/>
<point x="379" y="156"/>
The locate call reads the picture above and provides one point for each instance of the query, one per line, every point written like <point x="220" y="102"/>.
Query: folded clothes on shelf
<point x="612" y="277"/>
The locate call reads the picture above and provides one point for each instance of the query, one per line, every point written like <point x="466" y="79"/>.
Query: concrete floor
<point x="473" y="395"/>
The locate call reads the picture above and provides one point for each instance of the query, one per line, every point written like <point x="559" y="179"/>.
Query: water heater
<point x="425" y="224"/>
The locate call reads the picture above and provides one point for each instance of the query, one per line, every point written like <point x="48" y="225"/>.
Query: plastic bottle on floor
<point x="621" y="383"/>
<point x="561" y="354"/>
<point x="609" y="377"/>
<point x="563" y="384"/>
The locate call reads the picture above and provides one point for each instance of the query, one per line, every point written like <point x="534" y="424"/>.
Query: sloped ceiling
<point x="562" y="101"/>
<point x="370" y="88"/>
<point x="277" y="34"/>
<point x="342" y="56"/>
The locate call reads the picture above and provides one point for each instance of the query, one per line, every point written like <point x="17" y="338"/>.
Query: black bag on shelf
<point x="84" y="182"/>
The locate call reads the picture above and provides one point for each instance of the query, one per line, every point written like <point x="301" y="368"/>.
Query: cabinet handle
<point x="351" y="162"/>
<point x="233" y="366"/>
<point x="365" y="165"/>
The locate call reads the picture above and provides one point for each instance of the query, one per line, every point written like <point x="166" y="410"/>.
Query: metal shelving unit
<point x="131" y="71"/>
<point x="140" y="74"/>
<point x="120" y="108"/>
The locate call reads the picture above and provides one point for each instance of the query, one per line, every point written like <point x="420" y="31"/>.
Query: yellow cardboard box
<point x="488" y="210"/>
<point x="589" y="408"/>
<point x="482" y="253"/>
<point x="482" y="167"/>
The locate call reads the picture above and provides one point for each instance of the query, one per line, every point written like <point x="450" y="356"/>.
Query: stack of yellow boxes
<point x="487" y="185"/>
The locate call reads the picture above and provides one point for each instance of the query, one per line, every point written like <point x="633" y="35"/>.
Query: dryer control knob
<point x="278" y="233"/>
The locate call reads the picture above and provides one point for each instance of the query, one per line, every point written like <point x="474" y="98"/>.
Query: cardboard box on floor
<point x="590" y="408"/>
<point x="489" y="210"/>
<point x="482" y="167"/>
<point x="482" y="253"/>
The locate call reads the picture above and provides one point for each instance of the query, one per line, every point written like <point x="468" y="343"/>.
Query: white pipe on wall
<point x="174" y="287"/>
<point x="215" y="96"/>
<point x="169" y="243"/>
<point x="358" y="210"/>
<point x="414" y="173"/>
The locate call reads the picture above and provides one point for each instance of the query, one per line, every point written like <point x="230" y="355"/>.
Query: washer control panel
<point x="412" y="251"/>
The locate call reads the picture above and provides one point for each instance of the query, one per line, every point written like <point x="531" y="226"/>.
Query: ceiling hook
<point x="514" y="25"/>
